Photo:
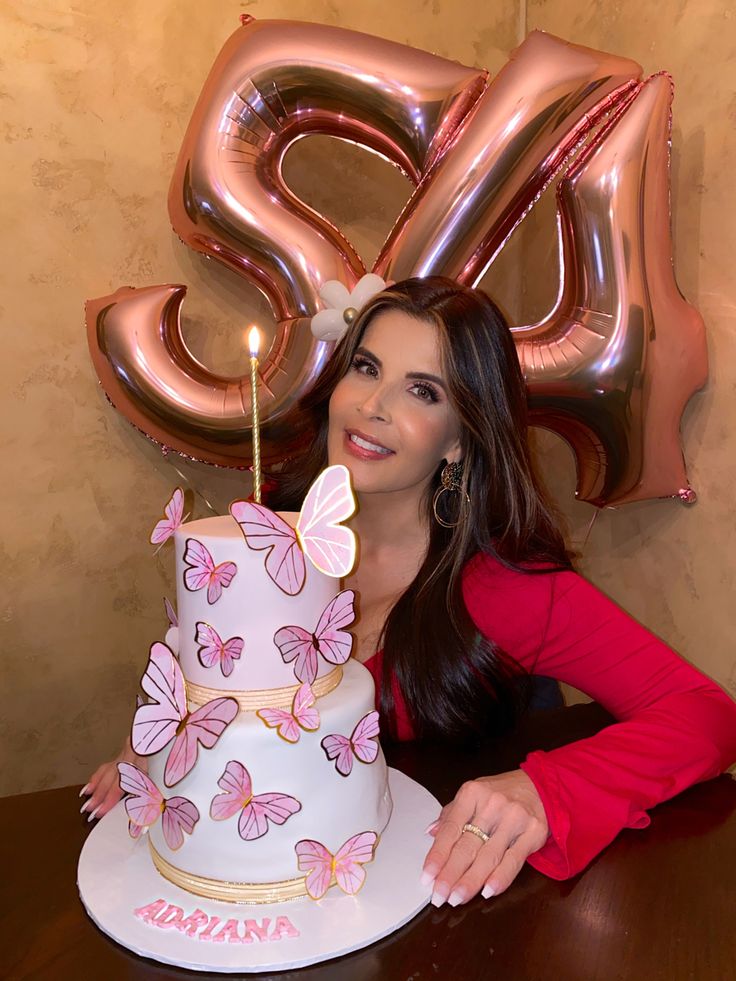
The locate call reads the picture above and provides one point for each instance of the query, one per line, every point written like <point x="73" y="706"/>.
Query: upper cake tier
<point x="244" y="604"/>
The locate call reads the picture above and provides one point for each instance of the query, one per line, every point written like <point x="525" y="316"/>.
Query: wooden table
<point x="657" y="904"/>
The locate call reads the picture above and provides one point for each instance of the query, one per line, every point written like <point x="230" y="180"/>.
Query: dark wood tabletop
<point x="656" y="904"/>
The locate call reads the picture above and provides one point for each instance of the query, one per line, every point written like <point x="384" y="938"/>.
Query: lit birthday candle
<point x="254" y="341"/>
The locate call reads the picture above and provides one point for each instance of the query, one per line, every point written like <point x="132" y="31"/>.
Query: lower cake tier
<point x="222" y="858"/>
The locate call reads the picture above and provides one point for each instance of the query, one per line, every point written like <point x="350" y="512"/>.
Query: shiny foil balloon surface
<point x="612" y="366"/>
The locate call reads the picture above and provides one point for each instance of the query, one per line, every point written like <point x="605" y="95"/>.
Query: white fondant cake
<point x="252" y="607"/>
<point x="255" y="800"/>
<point x="333" y="807"/>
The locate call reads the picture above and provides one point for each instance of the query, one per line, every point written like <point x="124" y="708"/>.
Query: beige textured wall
<point x="95" y="98"/>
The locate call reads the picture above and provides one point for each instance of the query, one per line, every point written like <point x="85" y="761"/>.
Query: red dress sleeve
<point x="675" y="726"/>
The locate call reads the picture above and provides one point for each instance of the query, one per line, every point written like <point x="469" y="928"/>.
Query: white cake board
<point x="116" y="876"/>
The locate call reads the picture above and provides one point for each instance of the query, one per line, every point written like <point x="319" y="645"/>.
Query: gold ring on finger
<point x="478" y="832"/>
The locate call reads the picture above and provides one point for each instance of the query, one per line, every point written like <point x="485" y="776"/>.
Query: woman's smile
<point x="363" y="447"/>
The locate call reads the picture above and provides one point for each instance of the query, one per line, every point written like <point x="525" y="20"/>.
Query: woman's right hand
<point x="104" y="787"/>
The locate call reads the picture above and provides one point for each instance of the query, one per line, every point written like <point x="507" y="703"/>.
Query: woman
<point x="465" y="588"/>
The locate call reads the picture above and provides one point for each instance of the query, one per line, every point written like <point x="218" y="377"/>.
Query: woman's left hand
<point x="506" y="807"/>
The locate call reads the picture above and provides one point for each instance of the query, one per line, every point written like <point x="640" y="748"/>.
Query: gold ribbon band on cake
<point x="230" y="892"/>
<point x="254" y="699"/>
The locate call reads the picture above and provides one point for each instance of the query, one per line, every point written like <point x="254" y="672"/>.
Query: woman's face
<point x="386" y="399"/>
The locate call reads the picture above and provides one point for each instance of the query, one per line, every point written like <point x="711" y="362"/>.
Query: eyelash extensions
<point x="358" y="362"/>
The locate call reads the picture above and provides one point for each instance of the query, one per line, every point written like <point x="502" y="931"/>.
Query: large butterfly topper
<point x="145" y="804"/>
<point x="346" y="865"/>
<point x="173" y="517"/>
<point x="166" y="717"/>
<point x="328" y="639"/>
<point x="362" y="744"/>
<point x="302" y="715"/>
<point x="255" y="811"/>
<point x="330" y="547"/>
<point x="201" y="571"/>
<point x="213" y="650"/>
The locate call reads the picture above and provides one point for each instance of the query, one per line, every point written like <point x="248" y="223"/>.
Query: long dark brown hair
<point x="456" y="683"/>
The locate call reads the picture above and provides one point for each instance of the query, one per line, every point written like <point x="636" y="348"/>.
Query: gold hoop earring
<point x="451" y="480"/>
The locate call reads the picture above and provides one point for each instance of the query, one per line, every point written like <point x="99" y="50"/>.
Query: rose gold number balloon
<point x="612" y="366"/>
<point x="600" y="368"/>
<point x="273" y="82"/>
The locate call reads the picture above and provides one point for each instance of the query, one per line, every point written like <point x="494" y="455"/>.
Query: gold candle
<point x="254" y="341"/>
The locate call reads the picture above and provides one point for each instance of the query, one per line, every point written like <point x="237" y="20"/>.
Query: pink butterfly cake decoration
<point x="170" y="613"/>
<point x="330" y="547"/>
<point x="171" y="638"/>
<point x="173" y="517"/>
<point x="256" y="810"/>
<point x="214" y="651"/>
<point x="303" y="715"/>
<point x="166" y="716"/>
<point x="145" y="804"/>
<point x="345" y="867"/>
<point x="329" y="639"/>
<point x="201" y="571"/>
<point x="361" y="745"/>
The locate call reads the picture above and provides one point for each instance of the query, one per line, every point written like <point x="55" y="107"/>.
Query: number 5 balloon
<point x="610" y="368"/>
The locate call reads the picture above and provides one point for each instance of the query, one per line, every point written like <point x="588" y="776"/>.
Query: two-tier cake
<point x="265" y="778"/>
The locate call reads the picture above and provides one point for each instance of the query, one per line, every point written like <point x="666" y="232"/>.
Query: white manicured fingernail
<point x="427" y="878"/>
<point x="456" y="898"/>
<point x="84" y="790"/>
<point x="93" y="815"/>
<point x="487" y="891"/>
<point x="84" y="806"/>
<point x="430" y="827"/>
<point x="437" y="899"/>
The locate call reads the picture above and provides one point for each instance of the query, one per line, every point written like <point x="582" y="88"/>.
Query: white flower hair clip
<point x="343" y="307"/>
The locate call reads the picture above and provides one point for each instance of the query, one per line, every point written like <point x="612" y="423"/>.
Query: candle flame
<point x="254" y="341"/>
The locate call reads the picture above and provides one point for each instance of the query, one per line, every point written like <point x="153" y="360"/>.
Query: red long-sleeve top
<point x="675" y="725"/>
